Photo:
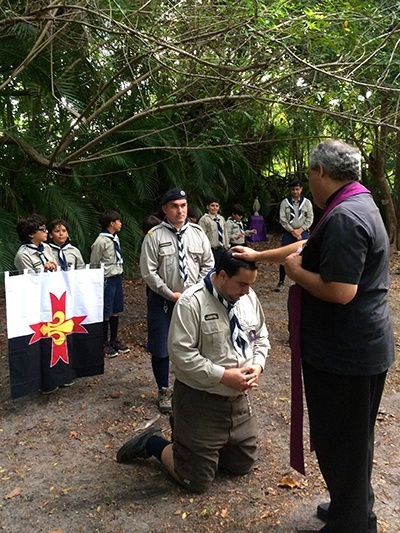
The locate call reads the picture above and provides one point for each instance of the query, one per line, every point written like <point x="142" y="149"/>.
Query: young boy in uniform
<point x="213" y="225"/>
<point x="34" y="254"/>
<point x="235" y="227"/>
<point x="63" y="252"/>
<point x="106" y="250"/>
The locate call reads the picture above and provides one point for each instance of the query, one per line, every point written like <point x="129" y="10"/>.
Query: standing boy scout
<point x="175" y="255"/>
<point x="106" y="250"/>
<point x="214" y="226"/>
<point x="296" y="216"/>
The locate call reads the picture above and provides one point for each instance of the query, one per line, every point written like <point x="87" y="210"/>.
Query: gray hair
<point x="341" y="161"/>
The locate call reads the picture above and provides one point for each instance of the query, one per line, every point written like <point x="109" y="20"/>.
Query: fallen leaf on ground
<point x="13" y="493"/>
<point x="288" y="482"/>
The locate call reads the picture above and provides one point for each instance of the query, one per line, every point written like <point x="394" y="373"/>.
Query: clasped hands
<point x="242" y="379"/>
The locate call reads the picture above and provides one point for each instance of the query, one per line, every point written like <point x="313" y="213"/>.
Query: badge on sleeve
<point x="252" y="335"/>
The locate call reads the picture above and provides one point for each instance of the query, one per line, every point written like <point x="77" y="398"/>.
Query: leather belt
<point x="225" y="398"/>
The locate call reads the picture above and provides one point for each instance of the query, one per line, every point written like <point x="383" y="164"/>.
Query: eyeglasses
<point x="45" y="230"/>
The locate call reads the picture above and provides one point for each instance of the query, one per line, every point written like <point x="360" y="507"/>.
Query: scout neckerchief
<point x="60" y="253"/>
<point x="296" y="426"/>
<point x="238" y="336"/>
<point x="117" y="247"/>
<point x="220" y="230"/>
<point x="238" y="223"/>
<point x="181" y="250"/>
<point x="40" y="250"/>
<point x="300" y="205"/>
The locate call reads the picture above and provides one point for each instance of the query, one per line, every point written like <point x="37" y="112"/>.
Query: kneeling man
<point x="218" y="344"/>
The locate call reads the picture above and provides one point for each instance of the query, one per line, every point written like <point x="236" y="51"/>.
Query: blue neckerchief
<point x="40" y="250"/>
<point x="239" y="339"/>
<point x="60" y="253"/>
<point x="290" y="202"/>
<point x="239" y="223"/>
<point x="181" y="250"/>
<point x="117" y="247"/>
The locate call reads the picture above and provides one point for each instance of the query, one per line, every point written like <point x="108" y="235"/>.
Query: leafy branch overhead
<point x="97" y="75"/>
<point x="213" y="96"/>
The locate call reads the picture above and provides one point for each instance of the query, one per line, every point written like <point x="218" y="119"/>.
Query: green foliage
<point x="108" y="104"/>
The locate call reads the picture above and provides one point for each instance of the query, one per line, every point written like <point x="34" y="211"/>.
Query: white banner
<point x="28" y="297"/>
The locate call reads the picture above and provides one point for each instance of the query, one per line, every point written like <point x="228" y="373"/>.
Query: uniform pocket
<point x="214" y="335"/>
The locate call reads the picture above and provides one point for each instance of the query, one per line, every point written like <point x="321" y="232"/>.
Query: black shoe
<point x="323" y="511"/>
<point x="109" y="351"/>
<point x="119" y="346"/>
<point x="279" y="287"/>
<point x="49" y="391"/>
<point x="136" y="448"/>
<point x="69" y="384"/>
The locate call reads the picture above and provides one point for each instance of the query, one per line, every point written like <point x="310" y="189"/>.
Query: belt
<point x="225" y="398"/>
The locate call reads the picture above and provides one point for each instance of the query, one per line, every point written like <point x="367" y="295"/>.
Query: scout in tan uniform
<point x="234" y="227"/>
<point x="296" y="216"/>
<point x="218" y="344"/>
<point x="34" y="254"/>
<point x="175" y="255"/>
<point x="213" y="225"/>
<point x="106" y="251"/>
<point x="64" y="253"/>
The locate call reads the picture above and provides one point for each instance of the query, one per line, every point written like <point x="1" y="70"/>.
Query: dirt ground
<point x="58" y="471"/>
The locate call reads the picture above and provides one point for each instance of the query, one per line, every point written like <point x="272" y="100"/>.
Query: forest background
<point x="105" y="104"/>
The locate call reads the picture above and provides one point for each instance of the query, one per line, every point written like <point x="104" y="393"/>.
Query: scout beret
<point x="173" y="194"/>
<point x="296" y="183"/>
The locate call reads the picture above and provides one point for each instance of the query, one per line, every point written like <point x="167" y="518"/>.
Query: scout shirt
<point x="103" y="252"/>
<point x="28" y="257"/>
<point x="199" y="340"/>
<point x="303" y="214"/>
<point x="72" y="255"/>
<point x="233" y="229"/>
<point x="159" y="264"/>
<point x="211" y="230"/>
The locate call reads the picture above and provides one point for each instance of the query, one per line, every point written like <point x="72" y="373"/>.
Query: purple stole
<point x="296" y="425"/>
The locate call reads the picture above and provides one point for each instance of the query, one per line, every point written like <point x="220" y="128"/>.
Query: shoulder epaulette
<point x="155" y="228"/>
<point x="196" y="226"/>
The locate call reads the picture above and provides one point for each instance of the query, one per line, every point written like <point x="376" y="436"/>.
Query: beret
<point x="173" y="194"/>
<point x="296" y="183"/>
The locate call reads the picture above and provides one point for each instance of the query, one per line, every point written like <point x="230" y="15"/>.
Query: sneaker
<point x="67" y="384"/>
<point x="136" y="448"/>
<point x="119" y="347"/>
<point x="279" y="287"/>
<point x="109" y="351"/>
<point x="164" y="399"/>
<point x="49" y="391"/>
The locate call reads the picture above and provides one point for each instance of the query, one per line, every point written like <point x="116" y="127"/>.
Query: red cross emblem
<point x="58" y="329"/>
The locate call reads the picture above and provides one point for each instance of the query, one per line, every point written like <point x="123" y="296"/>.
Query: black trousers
<point x="342" y="411"/>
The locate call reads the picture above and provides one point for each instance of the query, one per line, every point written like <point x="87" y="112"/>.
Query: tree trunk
<point x="377" y="161"/>
<point x="397" y="183"/>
